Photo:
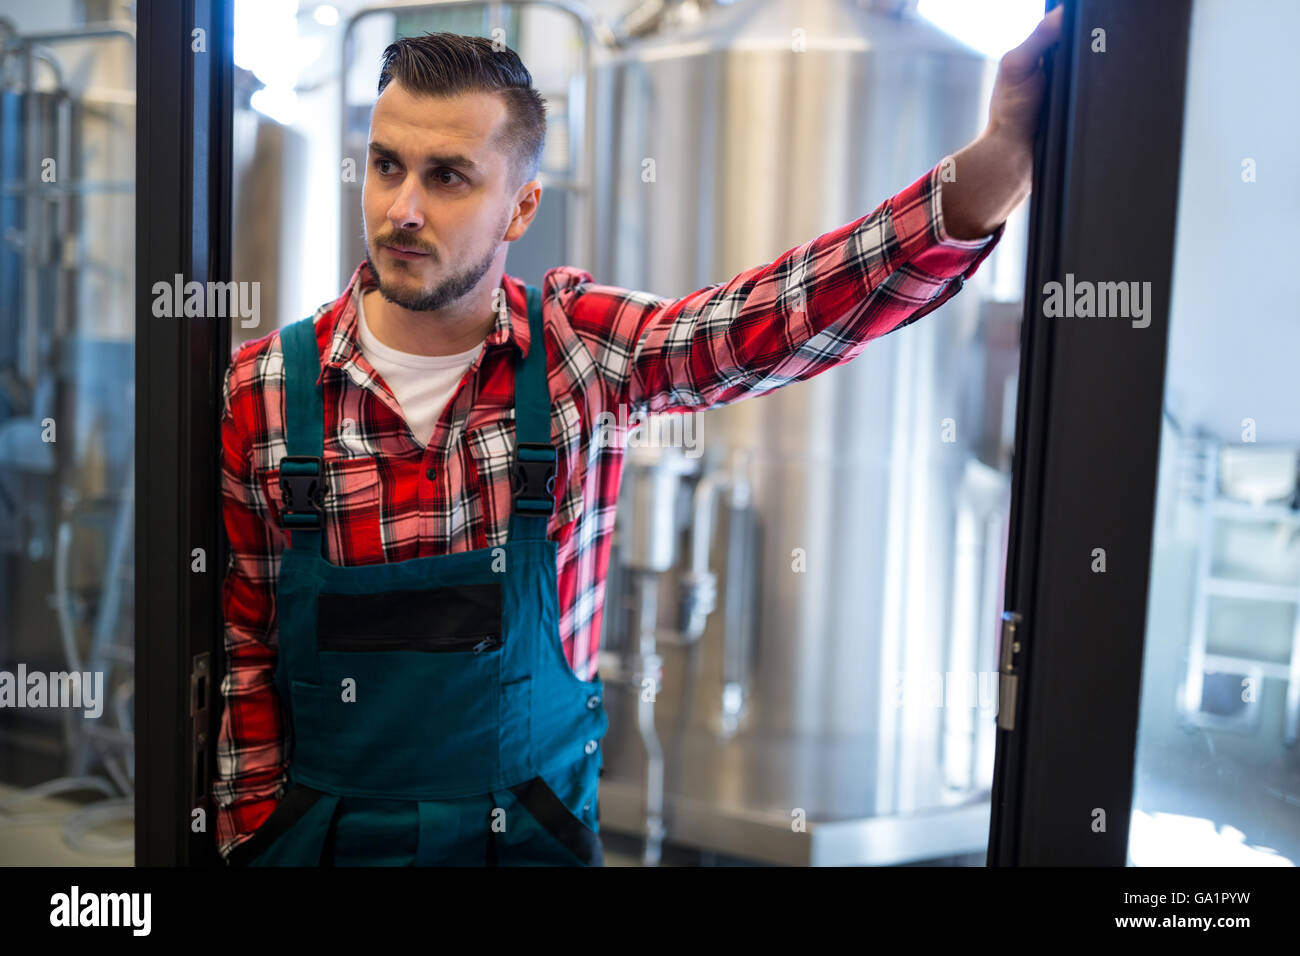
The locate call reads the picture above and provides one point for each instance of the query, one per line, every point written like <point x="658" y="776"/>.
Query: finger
<point x="1023" y="60"/>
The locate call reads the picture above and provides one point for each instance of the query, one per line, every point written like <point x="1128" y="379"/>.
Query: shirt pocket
<point x="486" y="498"/>
<point x="492" y="447"/>
<point x="353" y="532"/>
<point x="567" y="433"/>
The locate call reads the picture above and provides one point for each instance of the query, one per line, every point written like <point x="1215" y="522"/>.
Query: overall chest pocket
<point x="353" y="532"/>
<point x="492" y="448"/>
<point x="466" y="617"/>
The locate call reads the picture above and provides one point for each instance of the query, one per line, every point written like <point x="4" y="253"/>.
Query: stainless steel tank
<point x="777" y="733"/>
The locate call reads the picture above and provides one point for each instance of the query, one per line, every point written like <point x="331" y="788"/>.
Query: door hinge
<point x="1010" y="669"/>
<point x="200" y="698"/>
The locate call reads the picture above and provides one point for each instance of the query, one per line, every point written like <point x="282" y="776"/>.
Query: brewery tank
<point x="843" y="543"/>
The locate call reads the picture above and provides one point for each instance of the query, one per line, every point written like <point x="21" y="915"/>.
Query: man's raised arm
<point x="820" y="303"/>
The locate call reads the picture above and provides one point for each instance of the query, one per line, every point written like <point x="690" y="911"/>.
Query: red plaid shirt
<point x="608" y="350"/>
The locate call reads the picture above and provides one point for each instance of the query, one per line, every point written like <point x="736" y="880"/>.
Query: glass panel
<point x="1217" y="774"/>
<point x="824" y="563"/>
<point x="67" y="245"/>
<point x="792" y="704"/>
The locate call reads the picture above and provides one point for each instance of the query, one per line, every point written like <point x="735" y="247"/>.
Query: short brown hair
<point x="445" y="64"/>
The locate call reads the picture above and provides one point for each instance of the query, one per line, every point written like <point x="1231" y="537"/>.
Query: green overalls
<point x="435" y="719"/>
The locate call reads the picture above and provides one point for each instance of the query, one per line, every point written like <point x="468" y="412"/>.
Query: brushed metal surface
<point x="764" y="126"/>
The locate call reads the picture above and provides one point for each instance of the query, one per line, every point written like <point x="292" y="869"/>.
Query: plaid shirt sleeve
<point x="250" y="750"/>
<point x="815" y="307"/>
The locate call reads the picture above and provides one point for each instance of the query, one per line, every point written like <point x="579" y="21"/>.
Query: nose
<point x="405" y="213"/>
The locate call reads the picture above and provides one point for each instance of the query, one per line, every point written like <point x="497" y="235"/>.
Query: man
<point x="419" y="507"/>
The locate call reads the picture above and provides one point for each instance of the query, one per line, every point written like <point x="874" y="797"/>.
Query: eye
<point x="444" y="170"/>
<point x="379" y="163"/>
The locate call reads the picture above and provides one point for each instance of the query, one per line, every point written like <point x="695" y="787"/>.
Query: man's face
<point x="435" y="185"/>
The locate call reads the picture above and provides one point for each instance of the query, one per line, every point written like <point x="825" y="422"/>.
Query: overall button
<point x="591" y="747"/>
<point x="593" y="702"/>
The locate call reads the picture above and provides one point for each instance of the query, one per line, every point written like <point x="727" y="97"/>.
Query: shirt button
<point x="593" y="702"/>
<point x="591" y="746"/>
<point x="429" y="473"/>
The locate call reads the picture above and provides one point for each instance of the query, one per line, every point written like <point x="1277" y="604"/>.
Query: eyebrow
<point x="433" y="159"/>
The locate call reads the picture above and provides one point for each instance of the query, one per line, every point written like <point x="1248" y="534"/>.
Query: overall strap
<point x="302" y="470"/>
<point x="533" y="473"/>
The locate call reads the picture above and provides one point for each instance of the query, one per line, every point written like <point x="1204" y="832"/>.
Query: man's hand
<point x="993" y="174"/>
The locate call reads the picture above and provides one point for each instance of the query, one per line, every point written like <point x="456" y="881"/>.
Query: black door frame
<point x="183" y="130"/>
<point x="1088" y="417"/>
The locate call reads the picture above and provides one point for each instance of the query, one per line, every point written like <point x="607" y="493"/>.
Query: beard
<point x="443" y="293"/>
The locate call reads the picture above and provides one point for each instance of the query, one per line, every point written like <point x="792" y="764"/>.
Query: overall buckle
<point x="532" y="478"/>
<point x="302" y="491"/>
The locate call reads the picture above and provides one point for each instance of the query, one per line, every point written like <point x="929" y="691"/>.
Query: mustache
<point x="402" y="239"/>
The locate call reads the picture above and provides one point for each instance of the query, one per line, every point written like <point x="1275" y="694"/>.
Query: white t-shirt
<point x="423" y="384"/>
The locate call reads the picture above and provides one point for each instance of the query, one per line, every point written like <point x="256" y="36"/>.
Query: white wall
<point x="1234" y="346"/>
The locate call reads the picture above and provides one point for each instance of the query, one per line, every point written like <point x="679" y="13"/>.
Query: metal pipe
<point x="699" y="583"/>
<point x="27" y="359"/>
<point x="736" y="624"/>
<point x="48" y="56"/>
<point x="110" y="28"/>
<point x="653" y="16"/>
<point x="650" y="668"/>
<point x="27" y="46"/>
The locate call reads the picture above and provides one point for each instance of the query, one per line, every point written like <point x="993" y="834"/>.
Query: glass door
<point x="114" y="197"/>
<point x="67" y="433"/>
<point x="1217" y="775"/>
<point x="1151" y="654"/>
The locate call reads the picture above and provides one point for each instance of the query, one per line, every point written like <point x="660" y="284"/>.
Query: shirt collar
<point x="510" y="325"/>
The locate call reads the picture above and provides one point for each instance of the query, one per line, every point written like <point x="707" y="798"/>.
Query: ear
<point x="527" y="199"/>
